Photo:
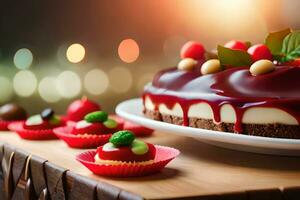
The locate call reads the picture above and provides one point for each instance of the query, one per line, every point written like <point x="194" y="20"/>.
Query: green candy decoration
<point x="110" y="123"/>
<point x="34" y="120"/>
<point x="98" y="116"/>
<point x="54" y="120"/>
<point x="122" y="138"/>
<point x="139" y="147"/>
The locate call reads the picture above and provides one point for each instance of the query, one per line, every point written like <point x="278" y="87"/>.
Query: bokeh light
<point x="48" y="91"/>
<point x="96" y="81"/>
<point x="75" y="53"/>
<point x="128" y="50"/>
<point x="24" y="83"/>
<point x="172" y="46"/>
<point x="23" y="58"/>
<point x="68" y="84"/>
<point x="120" y="79"/>
<point x="6" y="89"/>
<point x="143" y="80"/>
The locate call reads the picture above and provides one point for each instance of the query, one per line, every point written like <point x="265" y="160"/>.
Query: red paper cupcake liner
<point x="163" y="156"/>
<point x="43" y="134"/>
<point x="80" y="141"/>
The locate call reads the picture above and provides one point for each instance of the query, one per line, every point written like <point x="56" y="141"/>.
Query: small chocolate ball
<point x="12" y="112"/>
<point x="47" y="113"/>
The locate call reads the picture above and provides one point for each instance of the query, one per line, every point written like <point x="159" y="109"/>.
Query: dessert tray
<point x="132" y="110"/>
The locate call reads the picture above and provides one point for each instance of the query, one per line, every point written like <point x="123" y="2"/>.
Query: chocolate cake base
<point x="265" y="130"/>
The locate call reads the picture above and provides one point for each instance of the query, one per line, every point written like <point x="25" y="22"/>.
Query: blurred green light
<point x="23" y="58"/>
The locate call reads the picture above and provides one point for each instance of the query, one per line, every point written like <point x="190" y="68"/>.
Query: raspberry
<point x="236" y="45"/>
<point x="193" y="50"/>
<point x="260" y="52"/>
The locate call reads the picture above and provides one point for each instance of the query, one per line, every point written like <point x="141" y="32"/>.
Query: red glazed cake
<point x="249" y="91"/>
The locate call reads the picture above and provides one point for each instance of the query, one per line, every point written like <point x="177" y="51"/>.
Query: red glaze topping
<point x="235" y="86"/>
<point x="79" y="108"/>
<point x="126" y="155"/>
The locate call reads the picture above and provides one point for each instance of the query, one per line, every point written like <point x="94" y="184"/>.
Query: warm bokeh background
<point x="52" y="52"/>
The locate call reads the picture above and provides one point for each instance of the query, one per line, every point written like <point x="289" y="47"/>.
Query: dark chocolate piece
<point x="47" y="114"/>
<point x="11" y="112"/>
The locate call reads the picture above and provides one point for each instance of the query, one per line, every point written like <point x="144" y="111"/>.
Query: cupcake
<point x="38" y="126"/>
<point x="79" y="108"/>
<point x="10" y="113"/>
<point x="45" y="120"/>
<point x="125" y="156"/>
<point x="94" y="130"/>
<point x="95" y="123"/>
<point x="122" y="148"/>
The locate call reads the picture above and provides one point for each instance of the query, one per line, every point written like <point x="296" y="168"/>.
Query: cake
<point x="252" y="90"/>
<point x="124" y="148"/>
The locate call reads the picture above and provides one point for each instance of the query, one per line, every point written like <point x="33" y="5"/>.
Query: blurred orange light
<point x="75" y="53"/>
<point x="128" y="50"/>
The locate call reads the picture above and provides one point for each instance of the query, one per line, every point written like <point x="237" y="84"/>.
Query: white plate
<point x="132" y="111"/>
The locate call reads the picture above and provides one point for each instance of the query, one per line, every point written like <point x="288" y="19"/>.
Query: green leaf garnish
<point x="235" y="58"/>
<point x="274" y="41"/>
<point x="291" y="46"/>
<point x="122" y="138"/>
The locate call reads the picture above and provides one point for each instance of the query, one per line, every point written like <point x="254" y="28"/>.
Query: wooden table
<point x="201" y="170"/>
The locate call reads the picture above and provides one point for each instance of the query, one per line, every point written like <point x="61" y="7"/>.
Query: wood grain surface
<point x="200" y="170"/>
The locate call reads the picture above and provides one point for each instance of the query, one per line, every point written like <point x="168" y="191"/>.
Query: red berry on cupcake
<point x="79" y="108"/>
<point x="236" y="45"/>
<point x="260" y="52"/>
<point x="192" y="49"/>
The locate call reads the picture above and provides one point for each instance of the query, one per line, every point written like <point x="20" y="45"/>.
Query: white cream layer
<point x="253" y="115"/>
